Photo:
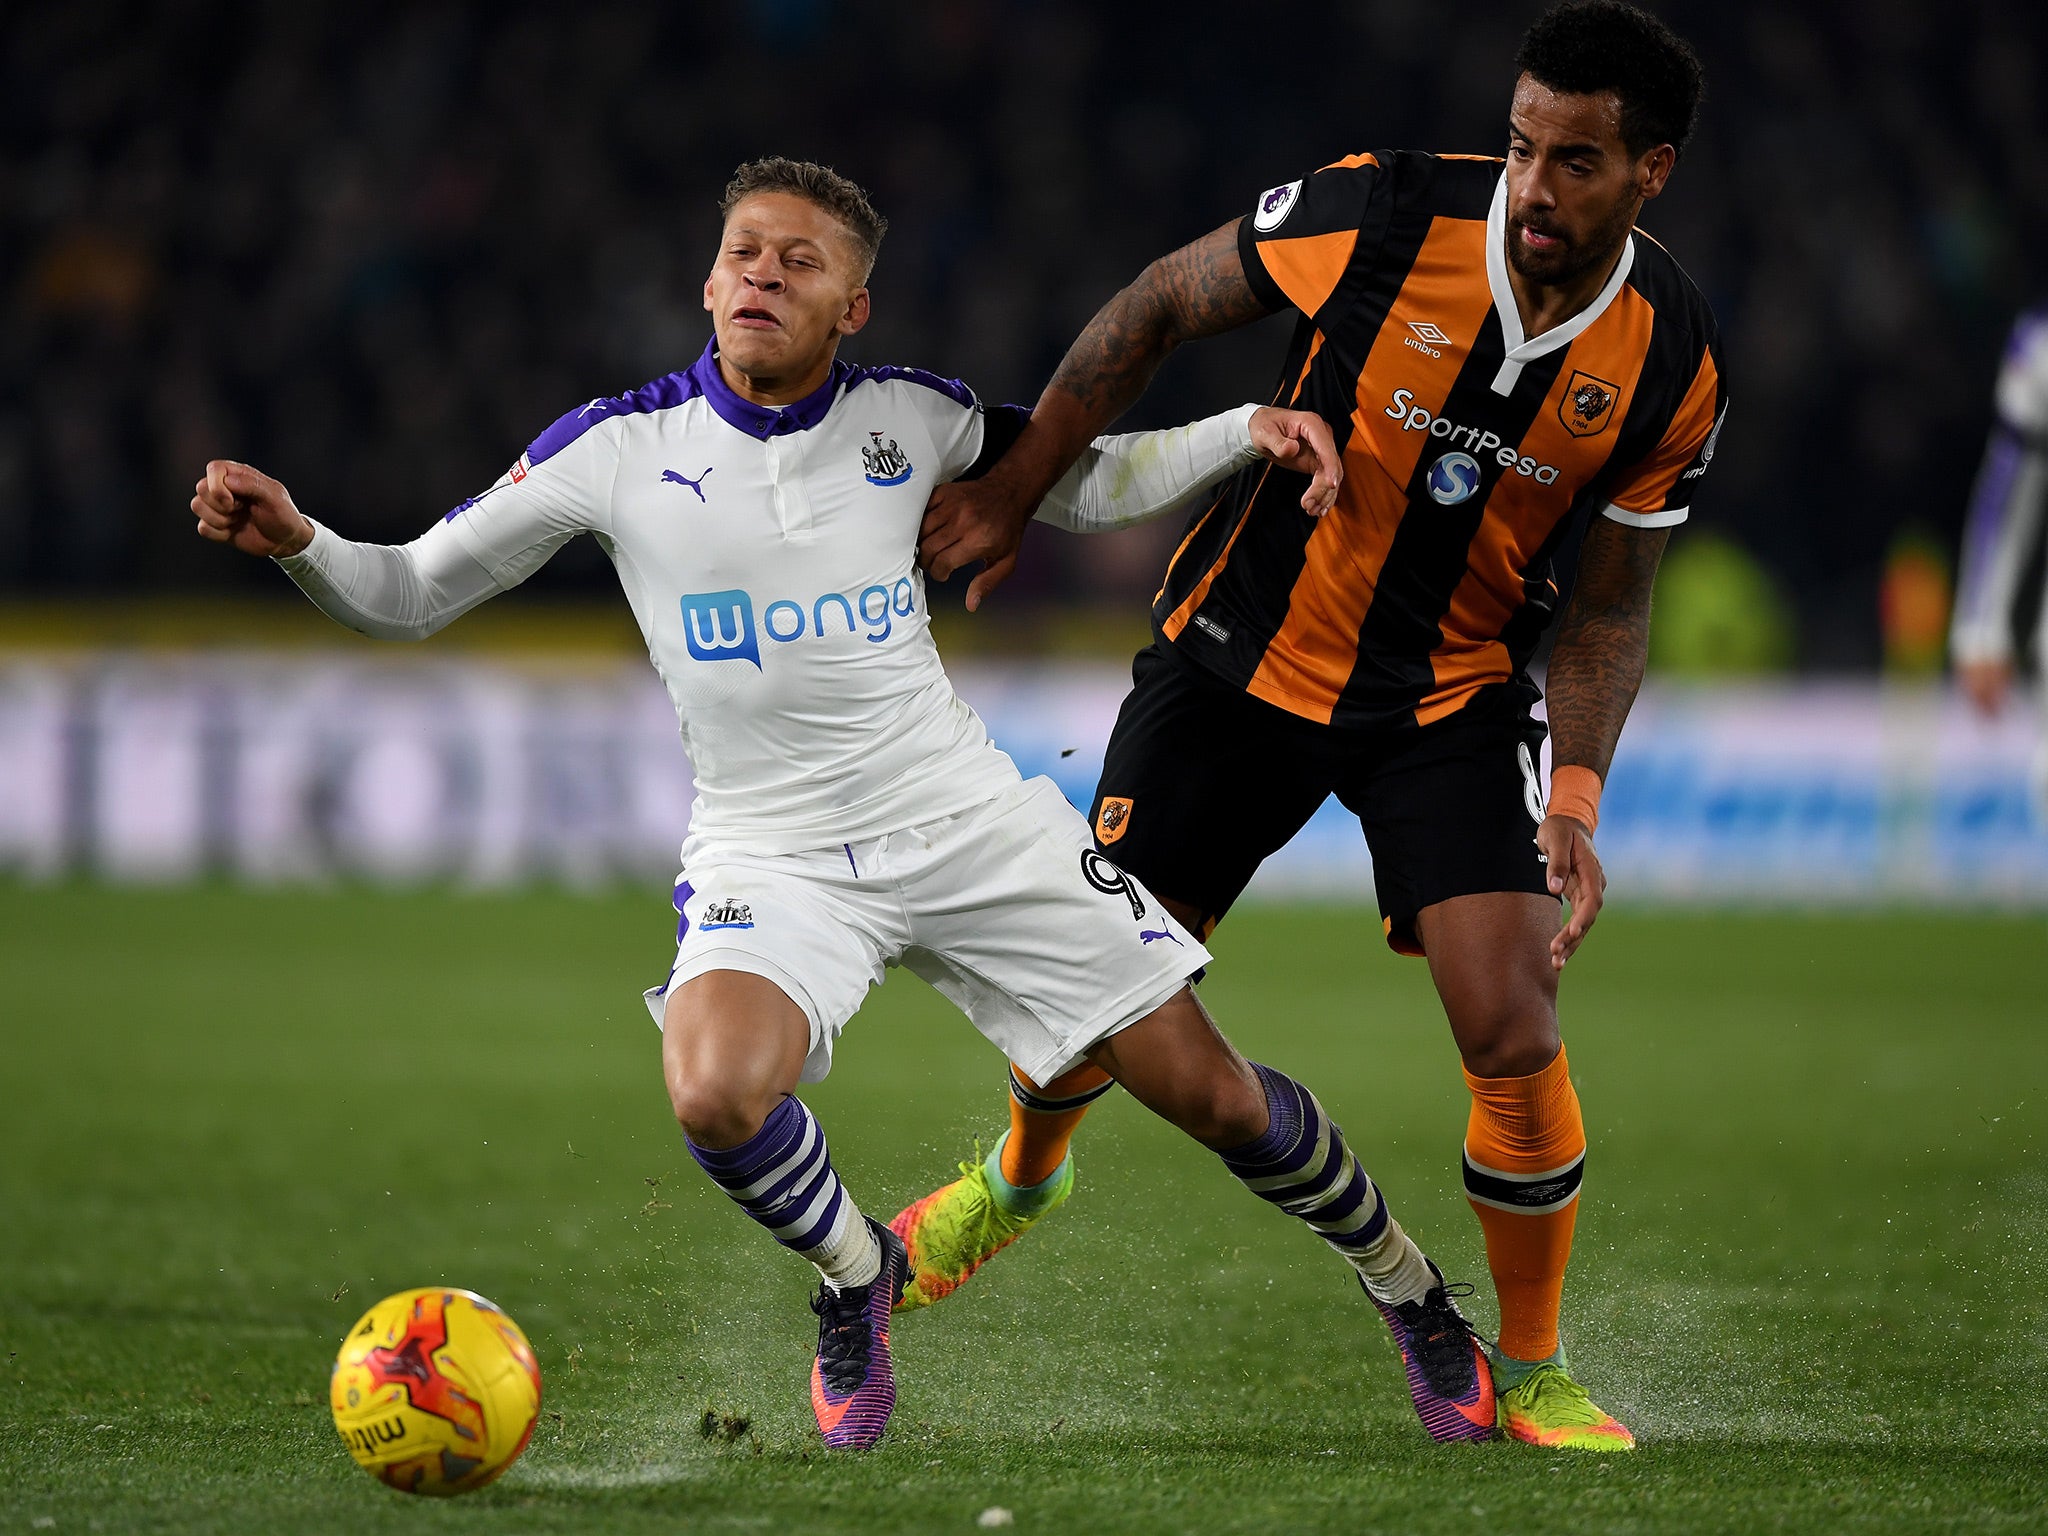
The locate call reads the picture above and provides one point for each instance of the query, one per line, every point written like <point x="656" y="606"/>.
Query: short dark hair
<point x="818" y="184"/>
<point x="1587" y="46"/>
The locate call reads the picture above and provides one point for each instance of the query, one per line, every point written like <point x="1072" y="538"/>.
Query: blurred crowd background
<point x="376" y="248"/>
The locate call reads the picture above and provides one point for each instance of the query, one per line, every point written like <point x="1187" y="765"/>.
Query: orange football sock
<point x="1043" y="1120"/>
<point x="1525" y="1152"/>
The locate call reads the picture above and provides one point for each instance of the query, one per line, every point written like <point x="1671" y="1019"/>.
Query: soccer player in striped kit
<point x="762" y="508"/>
<point x="1507" y="362"/>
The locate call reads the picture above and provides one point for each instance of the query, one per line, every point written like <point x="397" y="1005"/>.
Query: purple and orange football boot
<point x="1447" y="1372"/>
<point x="853" y="1381"/>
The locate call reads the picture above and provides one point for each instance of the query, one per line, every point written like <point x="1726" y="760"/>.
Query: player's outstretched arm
<point x="1596" y="669"/>
<point x="387" y="592"/>
<point x="1199" y="290"/>
<point x="1134" y="477"/>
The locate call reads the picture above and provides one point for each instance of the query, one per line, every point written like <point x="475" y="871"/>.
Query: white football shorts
<point x="1006" y="909"/>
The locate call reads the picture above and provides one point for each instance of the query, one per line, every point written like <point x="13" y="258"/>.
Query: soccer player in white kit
<point x="762" y="509"/>
<point x="2007" y="536"/>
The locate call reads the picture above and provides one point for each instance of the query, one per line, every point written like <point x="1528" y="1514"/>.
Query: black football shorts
<point x="1202" y="782"/>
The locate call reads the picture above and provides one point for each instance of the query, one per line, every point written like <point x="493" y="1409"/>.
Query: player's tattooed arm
<point x="1199" y="290"/>
<point x="1596" y="668"/>
<point x="1603" y="645"/>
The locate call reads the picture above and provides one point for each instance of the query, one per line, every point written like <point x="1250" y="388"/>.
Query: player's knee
<point x="1509" y="1041"/>
<point x="713" y="1113"/>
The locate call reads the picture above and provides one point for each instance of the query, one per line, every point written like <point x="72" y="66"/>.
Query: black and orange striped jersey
<point x="1470" y="451"/>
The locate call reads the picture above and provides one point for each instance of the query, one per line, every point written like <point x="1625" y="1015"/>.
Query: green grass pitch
<point x="1809" y="1269"/>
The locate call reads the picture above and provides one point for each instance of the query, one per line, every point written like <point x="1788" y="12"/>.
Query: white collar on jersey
<point x="1520" y="349"/>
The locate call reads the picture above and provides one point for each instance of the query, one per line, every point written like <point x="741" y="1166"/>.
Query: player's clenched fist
<point x="246" y="508"/>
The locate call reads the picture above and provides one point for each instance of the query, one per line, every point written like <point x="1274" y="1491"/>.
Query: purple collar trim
<point x="766" y="421"/>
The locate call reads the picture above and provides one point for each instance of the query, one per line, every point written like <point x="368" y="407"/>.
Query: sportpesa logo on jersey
<point x="719" y="626"/>
<point x="1418" y="418"/>
<point x="1453" y="478"/>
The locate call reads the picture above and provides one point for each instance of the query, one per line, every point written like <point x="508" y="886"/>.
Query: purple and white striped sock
<point x="1303" y="1165"/>
<point x="783" y="1177"/>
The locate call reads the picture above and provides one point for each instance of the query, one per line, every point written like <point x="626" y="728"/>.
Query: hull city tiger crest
<point x="1113" y="819"/>
<point x="1587" y="406"/>
<point x="885" y="466"/>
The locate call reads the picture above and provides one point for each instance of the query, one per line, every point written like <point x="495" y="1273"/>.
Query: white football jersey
<point x="769" y="556"/>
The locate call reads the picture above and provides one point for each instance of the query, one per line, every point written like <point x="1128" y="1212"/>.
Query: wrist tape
<point x="1575" y="792"/>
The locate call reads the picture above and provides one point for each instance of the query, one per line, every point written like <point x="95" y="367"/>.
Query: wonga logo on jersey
<point x="719" y="626"/>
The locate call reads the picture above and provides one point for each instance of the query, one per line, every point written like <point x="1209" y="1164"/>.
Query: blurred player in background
<point x="762" y="508"/>
<point x="1505" y="362"/>
<point x="2005" y="547"/>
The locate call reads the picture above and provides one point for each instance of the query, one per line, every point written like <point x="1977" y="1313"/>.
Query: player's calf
<point x="1177" y="1064"/>
<point x="1285" y="1150"/>
<point x="1302" y="1164"/>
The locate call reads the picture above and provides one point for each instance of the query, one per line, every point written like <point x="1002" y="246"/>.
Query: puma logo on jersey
<point x="669" y="476"/>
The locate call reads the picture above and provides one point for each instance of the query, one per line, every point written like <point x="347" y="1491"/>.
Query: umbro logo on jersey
<point x="727" y="914"/>
<point x="885" y="465"/>
<point x="1425" y="335"/>
<point x="670" y="477"/>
